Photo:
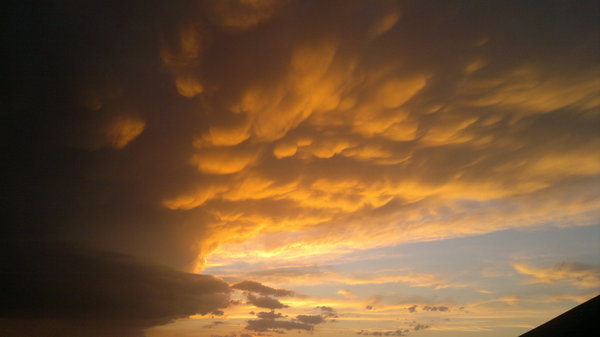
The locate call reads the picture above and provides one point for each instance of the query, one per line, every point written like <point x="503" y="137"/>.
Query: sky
<point x="244" y="168"/>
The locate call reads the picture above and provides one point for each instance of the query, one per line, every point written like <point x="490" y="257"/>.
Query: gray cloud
<point x="268" y="324"/>
<point x="310" y="319"/>
<point x="433" y="109"/>
<point x="419" y="326"/>
<point x="434" y="308"/>
<point x="50" y="288"/>
<point x="136" y="128"/>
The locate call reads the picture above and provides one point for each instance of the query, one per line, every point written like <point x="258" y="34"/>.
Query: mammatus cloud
<point x="313" y="275"/>
<point x="340" y="133"/>
<point x="123" y="130"/>
<point x="265" y="302"/>
<point x="578" y="274"/>
<point x="337" y="129"/>
<point x="398" y="332"/>
<point x="269" y="325"/>
<point x="419" y="326"/>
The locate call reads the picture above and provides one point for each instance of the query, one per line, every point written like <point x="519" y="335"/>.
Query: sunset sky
<point x="244" y="168"/>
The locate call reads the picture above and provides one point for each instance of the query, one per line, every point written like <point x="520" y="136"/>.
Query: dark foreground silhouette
<point x="583" y="320"/>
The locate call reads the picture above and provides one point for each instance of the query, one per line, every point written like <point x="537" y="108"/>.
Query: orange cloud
<point x="123" y="130"/>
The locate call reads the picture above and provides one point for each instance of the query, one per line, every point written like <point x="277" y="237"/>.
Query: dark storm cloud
<point x="52" y="288"/>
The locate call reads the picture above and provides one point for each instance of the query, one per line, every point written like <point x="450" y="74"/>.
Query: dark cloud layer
<point x="50" y="289"/>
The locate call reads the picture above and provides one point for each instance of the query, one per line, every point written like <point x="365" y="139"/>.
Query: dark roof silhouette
<point x="583" y="320"/>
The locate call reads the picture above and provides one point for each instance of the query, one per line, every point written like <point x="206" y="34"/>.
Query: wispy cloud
<point x="575" y="273"/>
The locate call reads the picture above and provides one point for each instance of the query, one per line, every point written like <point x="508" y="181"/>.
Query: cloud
<point x="310" y="319"/>
<point x="434" y="308"/>
<point x="256" y="287"/>
<point x="346" y="293"/>
<point x="333" y="118"/>
<point x="123" y="130"/>
<point x="262" y="130"/>
<point x="270" y="315"/>
<point x="419" y="326"/>
<point x="578" y="274"/>
<point x="49" y="287"/>
<point x="214" y="324"/>
<point x="268" y="325"/>
<point x="240" y="15"/>
<point x="265" y="302"/>
<point x="313" y="275"/>
<point x="273" y="321"/>
<point x="399" y="332"/>
<point x="327" y="312"/>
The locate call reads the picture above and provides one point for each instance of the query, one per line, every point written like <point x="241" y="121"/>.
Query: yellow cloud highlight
<point x="123" y="130"/>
